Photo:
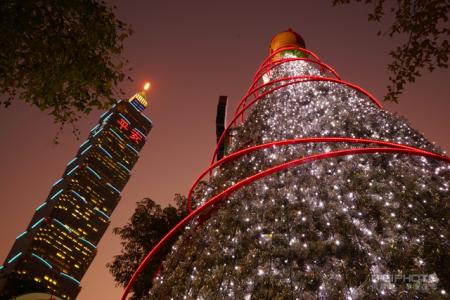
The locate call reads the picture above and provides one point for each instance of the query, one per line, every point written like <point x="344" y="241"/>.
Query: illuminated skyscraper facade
<point x="56" y="249"/>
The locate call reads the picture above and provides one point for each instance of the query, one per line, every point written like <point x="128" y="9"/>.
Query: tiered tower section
<point x="54" y="252"/>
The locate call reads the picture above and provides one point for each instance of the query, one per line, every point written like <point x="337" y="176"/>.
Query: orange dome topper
<point x="285" y="39"/>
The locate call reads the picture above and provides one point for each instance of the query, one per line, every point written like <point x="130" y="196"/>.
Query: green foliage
<point x="148" y="224"/>
<point x="425" y="26"/>
<point x="63" y="57"/>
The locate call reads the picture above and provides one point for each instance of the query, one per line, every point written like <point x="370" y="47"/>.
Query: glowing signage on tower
<point x="133" y="133"/>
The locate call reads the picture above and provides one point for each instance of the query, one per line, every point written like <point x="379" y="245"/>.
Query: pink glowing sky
<point x="192" y="52"/>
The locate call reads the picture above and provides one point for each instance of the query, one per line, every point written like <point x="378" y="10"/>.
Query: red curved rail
<point x="266" y="67"/>
<point x="270" y="66"/>
<point x="281" y="61"/>
<point x="253" y="89"/>
<point x="268" y="60"/>
<point x="287" y="48"/>
<point x="303" y="79"/>
<point x="217" y="198"/>
<point x="242" y="152"/>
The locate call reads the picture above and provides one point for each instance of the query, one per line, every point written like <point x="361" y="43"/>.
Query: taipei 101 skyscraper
<point x="54" y="252"/>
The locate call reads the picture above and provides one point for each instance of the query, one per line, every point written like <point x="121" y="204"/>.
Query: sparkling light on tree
<point x="321" y="194"/>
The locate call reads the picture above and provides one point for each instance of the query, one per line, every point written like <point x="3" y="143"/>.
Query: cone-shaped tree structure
<point x="321" y="194"/>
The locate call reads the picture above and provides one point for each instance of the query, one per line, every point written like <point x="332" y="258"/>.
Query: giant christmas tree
<point x="321" y="194"/>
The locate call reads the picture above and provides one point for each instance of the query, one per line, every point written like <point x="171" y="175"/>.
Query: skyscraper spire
<point x="139" y="100"/>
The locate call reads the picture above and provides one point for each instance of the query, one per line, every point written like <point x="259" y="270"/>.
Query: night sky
<point x="192" y="52"/>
